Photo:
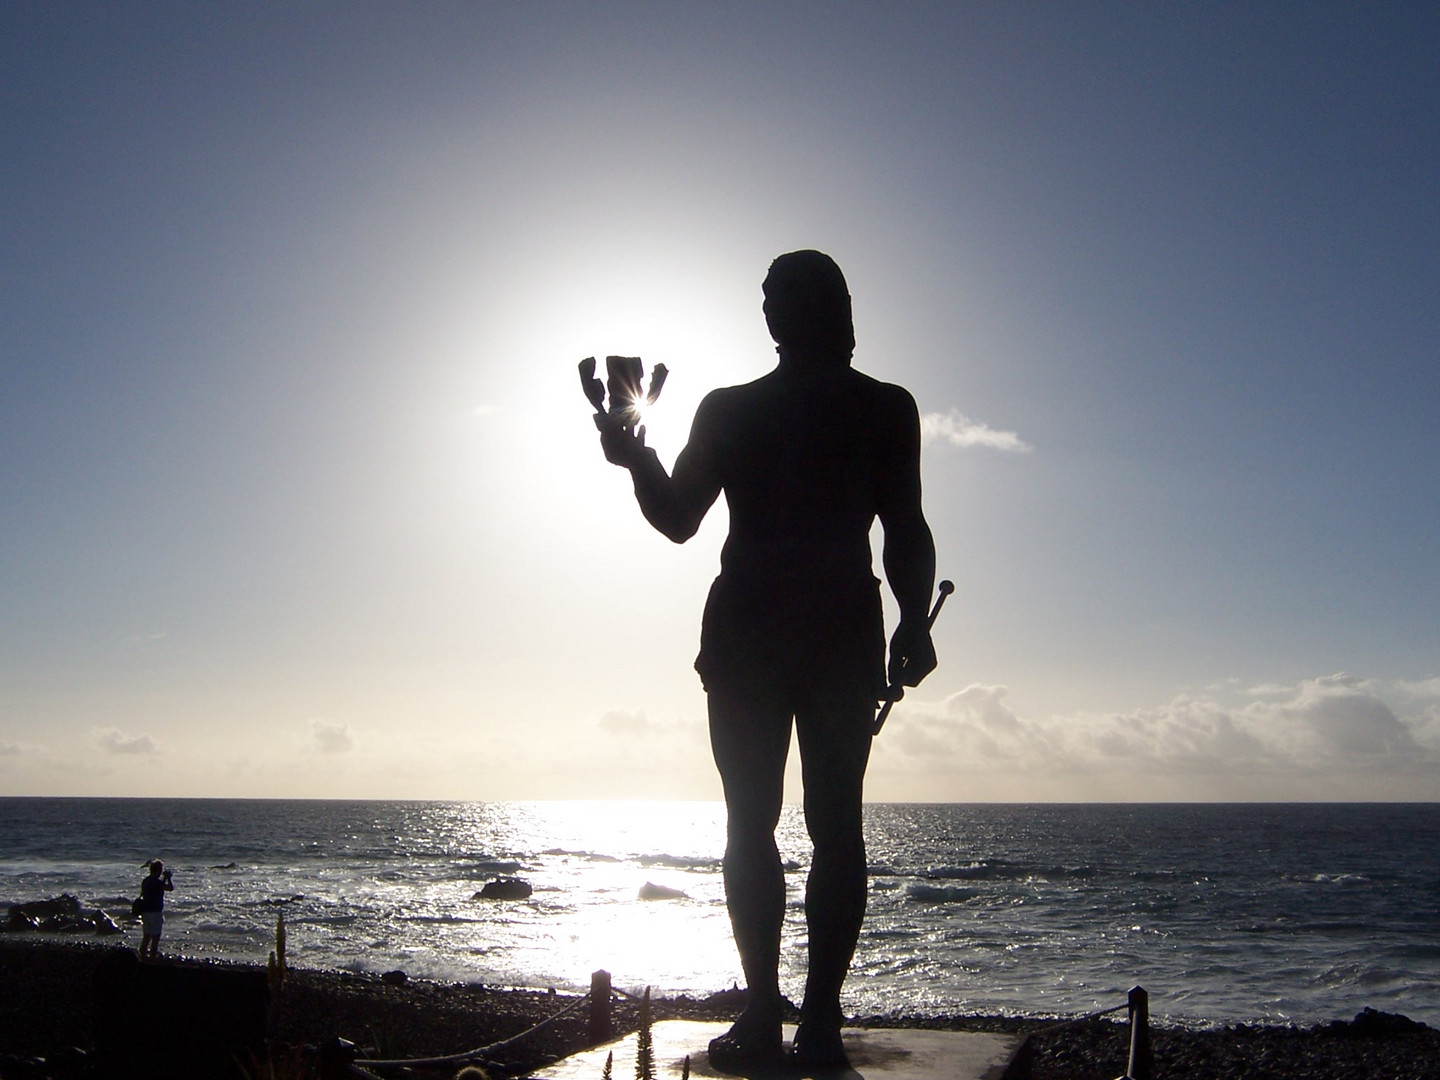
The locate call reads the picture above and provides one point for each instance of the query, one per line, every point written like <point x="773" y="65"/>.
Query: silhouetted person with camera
<point x="152" y="908"/>
<point x="808" y="457"/>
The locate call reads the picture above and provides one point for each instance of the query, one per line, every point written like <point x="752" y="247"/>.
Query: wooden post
<point x="602" y="1026"/>
<point x="1142" y="1061"/>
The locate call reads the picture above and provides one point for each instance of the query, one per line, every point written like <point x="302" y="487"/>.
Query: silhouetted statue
<point x="807" y="456"/>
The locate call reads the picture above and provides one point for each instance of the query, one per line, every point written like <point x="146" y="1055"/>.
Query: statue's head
<point x="807" y="307"/>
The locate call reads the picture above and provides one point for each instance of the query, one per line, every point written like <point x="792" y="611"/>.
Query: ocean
<point x="1225" y="913"/>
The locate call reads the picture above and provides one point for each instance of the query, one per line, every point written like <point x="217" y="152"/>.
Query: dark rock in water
<point x="395" y="978"/>
<point x="1372" y="1024"/>
<point x="651" y="891"/>
<point x="27" y="916"/>
<point x="198" y="1020"/>
<point x="104" y="924"/>
<point x="734" y="998"/>
<point x="227" y="866"/>
<point x="504" y="889"/>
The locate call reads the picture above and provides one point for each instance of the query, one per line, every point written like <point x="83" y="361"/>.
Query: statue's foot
<point x="751" y="1045"/>
<point x="818" y="1047"/>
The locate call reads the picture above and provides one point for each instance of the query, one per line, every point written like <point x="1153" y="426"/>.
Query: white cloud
<point x="114" y="741"/>
<point x="1268" y="690"/>
<point x="1341" y="716"/>
<point x="485" y="410"/>
<point x="9" y="749"/>
<point x="1334" y="724"/>
<point x="958" y="429"/>
<point x="331" y="738"/>
<point x="623" y="722"/>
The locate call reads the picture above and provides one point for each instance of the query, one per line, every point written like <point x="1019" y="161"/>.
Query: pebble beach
<point x="47" y="1027"/>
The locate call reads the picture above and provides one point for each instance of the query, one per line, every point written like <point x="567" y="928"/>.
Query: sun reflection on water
<point x="586" y="912"/>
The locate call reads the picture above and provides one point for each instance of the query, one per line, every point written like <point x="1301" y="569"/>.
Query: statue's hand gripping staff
<point x="896" y="692"/>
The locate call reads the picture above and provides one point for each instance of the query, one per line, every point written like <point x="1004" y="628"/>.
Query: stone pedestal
<point x="875" y="1054"/>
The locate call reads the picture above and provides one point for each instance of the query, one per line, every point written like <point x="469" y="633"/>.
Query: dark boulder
<point x="651" y="891"/>
<point x="504" y="889"/>
<point x="35" y="913"/>
<point x="1373" y="1024"/>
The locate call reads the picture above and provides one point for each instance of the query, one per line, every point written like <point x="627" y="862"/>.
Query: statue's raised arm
<point x="674" y="504"/>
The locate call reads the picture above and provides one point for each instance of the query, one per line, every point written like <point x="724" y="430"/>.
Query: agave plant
<point x="644" y="1046"/>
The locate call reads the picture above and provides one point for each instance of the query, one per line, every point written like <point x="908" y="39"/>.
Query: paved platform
<point x="875" y="1054"/>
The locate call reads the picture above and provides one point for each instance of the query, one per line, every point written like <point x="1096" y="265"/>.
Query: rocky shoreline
<point x="48" y="1027"/>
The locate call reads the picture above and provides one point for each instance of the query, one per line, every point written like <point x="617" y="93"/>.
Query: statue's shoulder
<point x="888" y="398"/>
<point x="719" y="414"/>
<point x="726" y="399"/>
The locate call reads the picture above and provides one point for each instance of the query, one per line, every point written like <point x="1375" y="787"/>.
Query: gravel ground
<point x="48" y="1020"/>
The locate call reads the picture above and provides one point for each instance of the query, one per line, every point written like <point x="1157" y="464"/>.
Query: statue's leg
<point x="750" y="737"/>
<point x="834" y="751"/>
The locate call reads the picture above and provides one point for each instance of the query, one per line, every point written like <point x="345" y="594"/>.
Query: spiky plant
<point x="607" y="1073"/>
<point x="644" y="1046"/>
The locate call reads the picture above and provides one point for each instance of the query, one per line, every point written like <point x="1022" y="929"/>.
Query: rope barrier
<point x="361" y="1069"/>
<point x="1056" y="1025"/>
<point x="471" y="1055"/>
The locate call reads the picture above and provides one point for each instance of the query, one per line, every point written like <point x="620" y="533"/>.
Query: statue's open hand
<point x="622" y="441"/>
<point x="912" y="654"/>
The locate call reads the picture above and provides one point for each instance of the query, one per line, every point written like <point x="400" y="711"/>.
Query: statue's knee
<point x="751" y="839"/>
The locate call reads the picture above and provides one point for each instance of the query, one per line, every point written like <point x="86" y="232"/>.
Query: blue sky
<point x="300" y="497"/>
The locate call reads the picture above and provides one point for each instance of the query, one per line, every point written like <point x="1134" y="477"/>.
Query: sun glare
<point x="701" y="320"/>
